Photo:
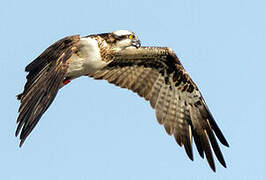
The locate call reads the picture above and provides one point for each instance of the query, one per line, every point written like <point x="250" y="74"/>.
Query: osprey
<point x="154" y="73"/>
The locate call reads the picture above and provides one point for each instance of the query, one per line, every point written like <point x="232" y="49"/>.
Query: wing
<point x="45" y="76"/>
<point x="157" y="75"/>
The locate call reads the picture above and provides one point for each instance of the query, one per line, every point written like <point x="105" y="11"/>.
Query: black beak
<point x="136" y="44"/>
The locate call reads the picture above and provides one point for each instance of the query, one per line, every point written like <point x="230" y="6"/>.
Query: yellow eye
<point x="131" y="36"/>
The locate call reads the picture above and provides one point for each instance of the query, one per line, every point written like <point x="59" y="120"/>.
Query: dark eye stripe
<point x="125" y="36"/>
<point x="120" y="37"/>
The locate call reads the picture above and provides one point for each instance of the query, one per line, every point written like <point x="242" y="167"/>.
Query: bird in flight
<point x="154" y="73"/>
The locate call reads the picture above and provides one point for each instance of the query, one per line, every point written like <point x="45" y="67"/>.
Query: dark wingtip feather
<point x="213" y="168"/>
<point x="215" y="147"/>
<point x="198" y="143"/>
<point x="218" y="132"/>
<point x="21" y="142"/>
<point x="207" y="150"/>
<point x="188" y="143"/>
<point x="214" y="126"/>
<point x="210" y="161"/>
<point x="224" y="164"/>
<point x="20" y="124"/>
<point x="188" y="150"/>
<point x="17" y="132"/>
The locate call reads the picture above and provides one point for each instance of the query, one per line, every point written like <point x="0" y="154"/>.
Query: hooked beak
<point x="136" y="43"/>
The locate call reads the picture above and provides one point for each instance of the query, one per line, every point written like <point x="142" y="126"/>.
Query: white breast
<point x="87" y="60"/>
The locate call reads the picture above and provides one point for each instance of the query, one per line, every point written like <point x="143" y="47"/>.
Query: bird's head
<point x="123" y="39"/>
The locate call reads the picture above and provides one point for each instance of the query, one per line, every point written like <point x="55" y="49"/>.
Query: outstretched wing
<point x="157" y="75"/>
<point x="45" y="76"/>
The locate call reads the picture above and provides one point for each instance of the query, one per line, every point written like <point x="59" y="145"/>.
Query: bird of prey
<point x="154" y="73"/>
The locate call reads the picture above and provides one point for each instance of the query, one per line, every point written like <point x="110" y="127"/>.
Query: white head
<point x="122" y="32"/>
<point x="124" y="39"/>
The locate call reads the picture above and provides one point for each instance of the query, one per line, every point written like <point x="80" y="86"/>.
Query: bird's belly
<point x="87" y="60"/>
<point x="80" y="66"/>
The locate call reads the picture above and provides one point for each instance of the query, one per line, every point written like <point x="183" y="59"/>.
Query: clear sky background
<point x="95" y="130"/>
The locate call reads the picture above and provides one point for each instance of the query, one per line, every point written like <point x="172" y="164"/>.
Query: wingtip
<point x="222" y="161"/>
<point x="189" y="152"/>
<point x="211" y="164"/>
<point x="21" y="142"/>
<point x="225" y="143"/>
<point x="213" y="168"/>
<point x="17" y="131"/>
<point x="224" y="165"/>
<point x="190" y="156"/>
<point x="222" y="140"/>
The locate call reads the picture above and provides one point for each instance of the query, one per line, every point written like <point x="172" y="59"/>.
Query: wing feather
<point x="188" y="143"/>
<point x="46" y="74"/>
<point x="157" y="75"/>
<point x="131" y="78"/>
<point x="196" y="131"/>
<point x="140" y="86"/>
<point x="166" y="104"/>
<point x="215" y="146"/>
<point x="148" y="82"/>
<point x="111" y="75"/>
<point x="159" y="107"/>
<point x="124" y="73"/>
<point x="155" y="90"/>
<point x="126" y="78"/>
<point x="101" y="74"/>
<point x="207" y="149"/>
<point x="135" y="81"/>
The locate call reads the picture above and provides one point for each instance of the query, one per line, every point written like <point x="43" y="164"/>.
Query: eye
<point x="131" y="36"/>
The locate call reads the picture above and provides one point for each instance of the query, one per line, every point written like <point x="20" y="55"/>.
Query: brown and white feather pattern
<point x="46" y="74"/>
<point x="154" y="73"/>
<point x="157" y="75"/>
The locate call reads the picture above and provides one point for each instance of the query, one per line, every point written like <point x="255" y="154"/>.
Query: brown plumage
<point x="45" y="77"/>
<point x="161" y="79"/>
<point x="154" y="73"/>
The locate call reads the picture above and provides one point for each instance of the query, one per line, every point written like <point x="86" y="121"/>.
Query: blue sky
<point x="95" y="130"/>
